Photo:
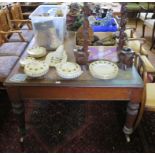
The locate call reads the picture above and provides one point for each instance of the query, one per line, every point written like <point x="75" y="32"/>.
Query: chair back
<point x="1" y="39"/>
<point x="5" y="24"/>
<point x="16" y="11"/>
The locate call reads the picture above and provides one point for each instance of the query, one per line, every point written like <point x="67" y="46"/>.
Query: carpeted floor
<point x="75" y="127"/>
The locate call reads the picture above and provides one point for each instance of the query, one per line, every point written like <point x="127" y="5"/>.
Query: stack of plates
<point x="69" y="70"/>
<point x="36" y="69"/>
<point x="103" y="69"/>
<point x="37" y="52"/>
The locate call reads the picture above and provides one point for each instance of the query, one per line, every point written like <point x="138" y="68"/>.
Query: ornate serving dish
<point x="36" y="69"/>
<point x="103" y="69"/>
<point x="69" y="70"/>
<point x="37" y="52"/>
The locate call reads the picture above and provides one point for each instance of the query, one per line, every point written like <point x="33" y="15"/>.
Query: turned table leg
<point x="132" y="111"/>
<point x="19" y="110"/>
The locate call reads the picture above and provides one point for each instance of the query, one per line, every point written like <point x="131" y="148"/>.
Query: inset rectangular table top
<point x="128" y="78"/>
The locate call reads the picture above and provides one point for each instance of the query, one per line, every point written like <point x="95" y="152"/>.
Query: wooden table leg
<point x="18" y="109"/>
<point x="132" y="112"/>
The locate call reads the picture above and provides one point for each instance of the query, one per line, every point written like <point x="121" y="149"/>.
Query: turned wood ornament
<point x="84" y="37"/>
<point x="125" y="58"/>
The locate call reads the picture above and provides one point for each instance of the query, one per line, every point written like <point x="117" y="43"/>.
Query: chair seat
<point x="27" y="34"/>
<point x="143" y="14"/>
<point x="12" y="48"/>
<point x="149" y="23"/>
<point x="135" y="46"/>
<point x="148" y="66"/>
<point x="150" y="96"/>
<point x="6" y="65"/>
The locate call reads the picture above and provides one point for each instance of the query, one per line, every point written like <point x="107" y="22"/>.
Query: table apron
<point x="74" y="93"/>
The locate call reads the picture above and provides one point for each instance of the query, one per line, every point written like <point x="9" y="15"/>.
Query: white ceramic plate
<point x="103" y="69"/>
<point x="26" y="60"/>
<point x="53" y="59"/>
<point x="69" y="70"/>
<point x="36" y="69"/>
<point x="37" y="52"/>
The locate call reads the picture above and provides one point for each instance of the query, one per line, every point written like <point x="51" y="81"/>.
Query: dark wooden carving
<point x="82" y="56"/>
<point x="122" y="27"/>
<point x="125" y="57"/>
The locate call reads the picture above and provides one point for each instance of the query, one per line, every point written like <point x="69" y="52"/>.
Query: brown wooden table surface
<point x="126" y="86"/>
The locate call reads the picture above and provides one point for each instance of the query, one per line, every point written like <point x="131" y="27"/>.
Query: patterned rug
<point x="73" y="126"/>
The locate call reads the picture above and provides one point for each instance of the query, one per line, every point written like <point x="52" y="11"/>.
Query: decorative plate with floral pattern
<point x="103" y="69"/>
<point x="52" y="59"/>
<point x="36" y="69"/>
<point x="26" y="60"/>
<point x="37" y="52"/>
<point x="69" y="70"/>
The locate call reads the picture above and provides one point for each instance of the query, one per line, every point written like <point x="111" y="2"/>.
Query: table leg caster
<point x="127" y="138"/>
<point x="21" y="139"/>
<point x="127" y="133"/>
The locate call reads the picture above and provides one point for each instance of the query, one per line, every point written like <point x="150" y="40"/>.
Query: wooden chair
<point x="8" y="48"/>
<point x="17" y="17"/>
<point x="144" y="13"/>
<point x="6" y="29"/>
<point x="147" y="72"/>
<point x="135" y="43"/>
<point x="150" y="23"/>
<point x="132" y="41"/>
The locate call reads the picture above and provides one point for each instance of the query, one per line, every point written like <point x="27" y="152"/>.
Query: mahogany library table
<point x="127" y="86"/>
